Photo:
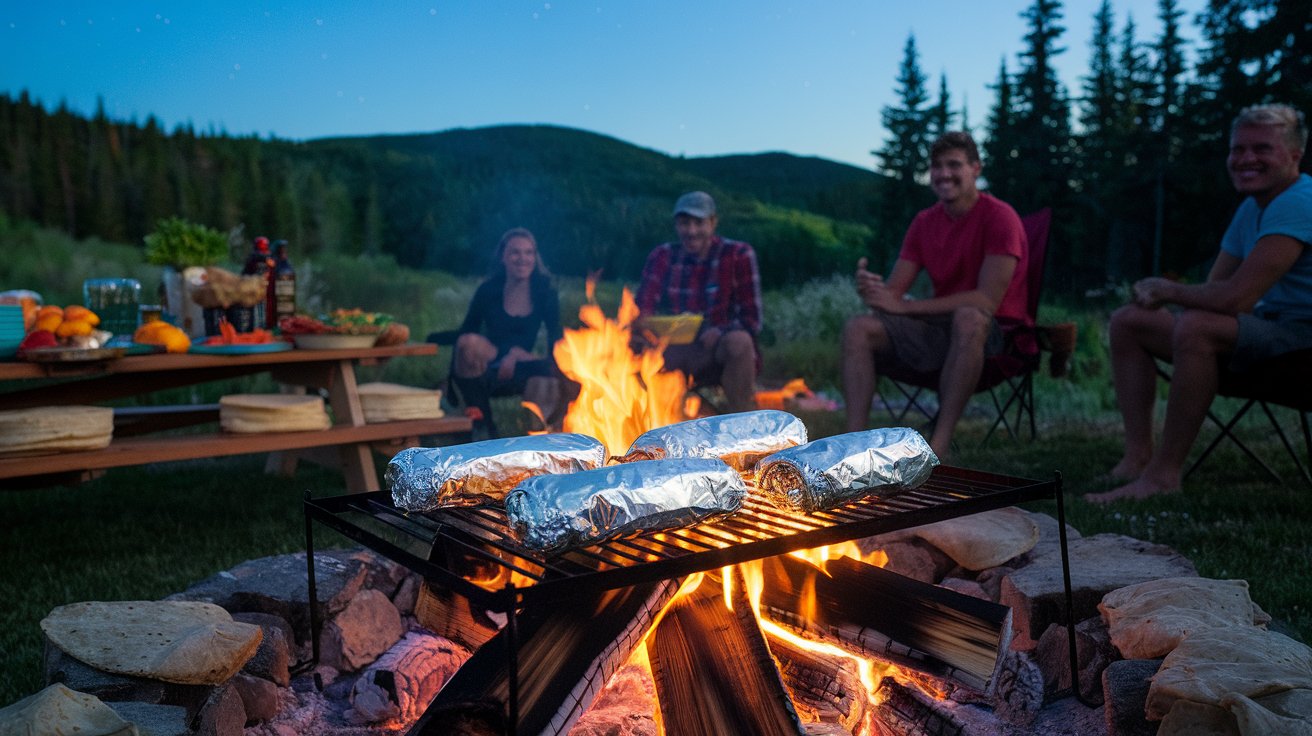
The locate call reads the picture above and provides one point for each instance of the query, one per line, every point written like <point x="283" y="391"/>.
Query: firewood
<point x="873" y="612"/>
<point x="453" y="616"/>
<point x="566" y="654"/>
<point x="825" y="688"/>
<point x="903" y="711"/>
<point x="714" y="672"/>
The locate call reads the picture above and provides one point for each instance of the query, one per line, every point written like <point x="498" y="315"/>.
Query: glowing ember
<point x="622" y="394"/>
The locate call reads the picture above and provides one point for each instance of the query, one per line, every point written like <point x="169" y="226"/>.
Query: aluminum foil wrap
<point x="738" y="439"/>
<point x="834" y="470"/>
<point x="551" y="513"/>
<point x="426" y="478"/>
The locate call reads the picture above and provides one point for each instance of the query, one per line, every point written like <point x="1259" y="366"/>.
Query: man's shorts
<point x="1261" y="338"/>
<point x="696" y="361"/>
<point x="921" y="344"/>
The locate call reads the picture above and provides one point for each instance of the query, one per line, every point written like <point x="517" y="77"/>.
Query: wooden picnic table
<point x="136" y="439"/>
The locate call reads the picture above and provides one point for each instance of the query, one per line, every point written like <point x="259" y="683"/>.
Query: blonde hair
<point x="1276" y="116"/>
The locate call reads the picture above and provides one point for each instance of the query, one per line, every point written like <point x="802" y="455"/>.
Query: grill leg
<point x="512" y="655"/>
<point x="1070" y="598"/>
<point x="312" y="591"/>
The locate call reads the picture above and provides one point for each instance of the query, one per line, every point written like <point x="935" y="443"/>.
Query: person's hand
<point x="866" y="281"/>
<point x="709" y="337"/>
<point x="506" y="369"/>
<point x="1150" y="293"/>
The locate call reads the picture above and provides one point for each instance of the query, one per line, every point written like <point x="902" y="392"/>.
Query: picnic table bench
<point x="136" y="439"/>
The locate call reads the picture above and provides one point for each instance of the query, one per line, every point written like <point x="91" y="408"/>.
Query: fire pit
<point x="468" y="550"/>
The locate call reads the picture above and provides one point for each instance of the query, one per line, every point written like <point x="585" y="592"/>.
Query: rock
<point x="407" y="595"/>
<point x="280" y="586"/>
<point x="270" y="623"/>
<point x="1148" y="620"/>
<point x="154" y="720"/>
<point x="1214" y="666"/>
<point x="1093" y="651"/>
<point x="369" y="626"/>
<point x="1049" y="538"/>
<point x="382" y="574"/>
<point x="272" y="661"/>
<point x="58" y="710"/>
<point x="77" y="675"/>
<point x="983" y="540"/>
<point x="911" y="560"/>
<point x="223" y="714"/>
<point x="259" y="697"/>
<point x="1098" y="565"/>
<point x="965" y="587"/>
<point x="182" y="642"/>
<point x="1125" y="690"/>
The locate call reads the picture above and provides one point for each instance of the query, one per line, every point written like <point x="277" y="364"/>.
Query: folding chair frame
<point x="1227" y="432"/>
<point x="1020" y="383"/>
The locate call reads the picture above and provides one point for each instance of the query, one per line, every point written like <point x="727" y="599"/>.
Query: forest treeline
<point x="1132" y="163"/>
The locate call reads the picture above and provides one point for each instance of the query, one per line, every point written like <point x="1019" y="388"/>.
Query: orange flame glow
<point x="622" y="394"/>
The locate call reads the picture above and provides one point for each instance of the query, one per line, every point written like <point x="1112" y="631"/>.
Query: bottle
<point x="260" y="263"/>
<point x="283" y="285"/>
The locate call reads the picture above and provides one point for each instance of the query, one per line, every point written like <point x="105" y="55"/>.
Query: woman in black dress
<point x="494" y="350"/>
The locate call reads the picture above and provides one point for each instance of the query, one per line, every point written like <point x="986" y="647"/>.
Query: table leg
<point x="357" y="460"/>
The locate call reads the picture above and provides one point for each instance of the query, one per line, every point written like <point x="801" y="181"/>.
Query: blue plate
<point x="264" y="347"/>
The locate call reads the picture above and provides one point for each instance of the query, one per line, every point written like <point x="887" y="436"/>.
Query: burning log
<point x="714" y="672"/>
<point x="564" y="658"/>
<point x="873" y="612"/>
<point x="825" y="688"/>
<point x="903" y="711"/>
<point x="455" y="617"/>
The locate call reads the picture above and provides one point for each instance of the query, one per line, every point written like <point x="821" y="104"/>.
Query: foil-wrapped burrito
<point x="738" y="439"/>
<point x="551" y="513"/>
<point x="426" y="478"/>
<point x="834" y="470"/>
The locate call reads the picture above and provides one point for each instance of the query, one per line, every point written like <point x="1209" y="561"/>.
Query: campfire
<point x="818" y="636"/>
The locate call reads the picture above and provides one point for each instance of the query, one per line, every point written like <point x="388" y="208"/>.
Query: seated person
<point x="706" y="274"/>
<point x="494" y="348"/>
<point x="974" y="249"/>
<point x="1255" y="304"/>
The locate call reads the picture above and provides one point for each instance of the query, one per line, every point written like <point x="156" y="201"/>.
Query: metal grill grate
<point x="471" y="550"/>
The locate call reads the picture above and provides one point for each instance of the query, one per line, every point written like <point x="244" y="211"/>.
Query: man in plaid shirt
<point x="717" y="278"/>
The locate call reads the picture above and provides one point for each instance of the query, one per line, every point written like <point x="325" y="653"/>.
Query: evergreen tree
<point x="904" y="156"/>
<point x="1042" y="118"/>
<point x="1001" y="151"/>
<point x="940" y="115"/>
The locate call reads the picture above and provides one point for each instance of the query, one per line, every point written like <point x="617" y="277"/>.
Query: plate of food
<point x="61" y="354"/>
<point x="675" y="329"/>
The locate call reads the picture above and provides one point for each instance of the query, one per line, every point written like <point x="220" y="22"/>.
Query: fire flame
<point x="623" y="394"/>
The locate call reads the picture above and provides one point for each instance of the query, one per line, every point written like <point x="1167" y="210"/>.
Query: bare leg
<point x="1197" y="343"/>
<point x="473" y="353"/>
<point x="960" y="374"/>
<point x="1137" y="336"/>
<point x="863" y="335"/>
<point x="737" y="353"/>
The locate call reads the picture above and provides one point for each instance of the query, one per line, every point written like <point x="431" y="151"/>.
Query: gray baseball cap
<point x="697" y="204"/>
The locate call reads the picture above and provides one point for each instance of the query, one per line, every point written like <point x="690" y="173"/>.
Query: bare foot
<point x="1136" y="489"/>
<point x="1128" y="468"/>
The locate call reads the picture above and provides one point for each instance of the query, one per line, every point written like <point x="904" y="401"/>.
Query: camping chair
<point x="485" y="428"/>
<point x="1008" y="377"/>
<point x="1279" y="381"/>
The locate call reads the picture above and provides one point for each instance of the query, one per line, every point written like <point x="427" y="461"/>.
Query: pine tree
<point x="1001" y="164"/>
<point x="1042" y="112"/>
<point x="905" y="154"/>
<point x="940" y="115"/>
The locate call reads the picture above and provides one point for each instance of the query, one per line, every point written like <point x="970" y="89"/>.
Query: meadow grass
<point x="143" y="533"/>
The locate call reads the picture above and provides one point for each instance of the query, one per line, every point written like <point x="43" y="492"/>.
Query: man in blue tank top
<point x="1255" y="304"/>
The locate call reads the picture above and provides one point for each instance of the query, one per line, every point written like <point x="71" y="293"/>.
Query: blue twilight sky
<point x="693" y="77"/>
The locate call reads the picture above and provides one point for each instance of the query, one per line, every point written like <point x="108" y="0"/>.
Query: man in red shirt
<point x="973" y="248"/>
<point x="715" y="277"/>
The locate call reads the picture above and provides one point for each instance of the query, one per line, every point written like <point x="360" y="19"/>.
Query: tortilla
<point x="256" y="413"/>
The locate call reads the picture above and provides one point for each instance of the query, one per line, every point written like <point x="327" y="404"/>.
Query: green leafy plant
<point x="179" y="243"/>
